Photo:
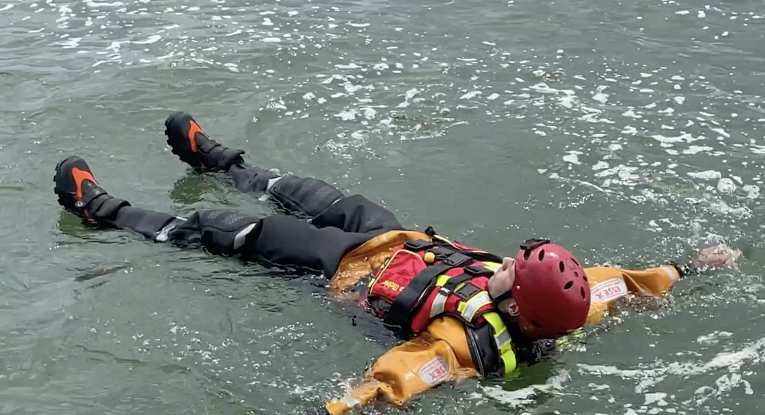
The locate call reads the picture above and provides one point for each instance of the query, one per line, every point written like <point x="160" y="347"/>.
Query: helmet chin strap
<point x="502" y="297"/>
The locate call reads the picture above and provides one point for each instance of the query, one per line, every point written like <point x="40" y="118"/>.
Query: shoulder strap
<point x="441" y="244"/>
<point x="408" y="301"/>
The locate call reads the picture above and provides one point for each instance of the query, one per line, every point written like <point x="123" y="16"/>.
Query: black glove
<point x="683" y="269"/>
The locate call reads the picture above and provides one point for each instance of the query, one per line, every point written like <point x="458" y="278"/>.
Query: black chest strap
<point x="484" y="352"/>
<point x="406" y="304"/>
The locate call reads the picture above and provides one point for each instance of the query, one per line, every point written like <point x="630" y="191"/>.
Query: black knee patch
<point x="355" y="213"/>
<point x="252" y="179"/>
<point x="222" y="232"/>
<point x="308" y="195"/>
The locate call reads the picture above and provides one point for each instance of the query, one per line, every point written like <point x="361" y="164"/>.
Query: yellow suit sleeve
<point x="438" y="355"/>
<point x="609" y="284"/>
<point x="654" y="281"/>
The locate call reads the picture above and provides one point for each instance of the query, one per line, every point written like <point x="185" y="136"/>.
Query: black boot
<point x="79" y="193"/>
<point x="194" y="147"/>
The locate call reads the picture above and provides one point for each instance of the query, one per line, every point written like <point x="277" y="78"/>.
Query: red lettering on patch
<point x="435" y="372"/>
<point x="609" y="290"/>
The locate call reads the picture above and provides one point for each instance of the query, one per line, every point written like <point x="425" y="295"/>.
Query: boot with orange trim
<point x="190" y="143"/>
<point x="78" y="191"/>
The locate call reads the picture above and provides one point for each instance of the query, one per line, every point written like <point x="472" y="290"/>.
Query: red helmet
<point x="550" y="289"/>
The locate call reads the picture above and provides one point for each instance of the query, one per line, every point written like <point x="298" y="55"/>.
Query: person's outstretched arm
<point x="437" y="356"/>
<point x="609" y="284"/>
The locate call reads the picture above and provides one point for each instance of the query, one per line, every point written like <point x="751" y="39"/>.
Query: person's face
<point x="502" y="282"/>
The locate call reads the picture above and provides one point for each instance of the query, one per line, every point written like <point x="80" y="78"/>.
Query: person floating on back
<point x="461" y="311"/>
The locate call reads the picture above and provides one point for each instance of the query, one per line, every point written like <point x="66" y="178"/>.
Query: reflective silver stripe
<point x="502" y="338"/>
<point x="164" y="234"/>
<point x="438" y="304"/>
<point x="271" y="182"/>
<point x="670" y="272"/>
<point x="240" y="237"/>
<point x="474" y="304"/>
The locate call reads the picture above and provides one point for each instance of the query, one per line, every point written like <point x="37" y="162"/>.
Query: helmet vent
<point x="561" y="266"/>
<point x="573" y="259"/>
<point x="568" y="285"/>
<point x="584" y="296"/>
<point x="576" y="274"/>
<point x="541" y="254"/>
<point x="534" y="322"/>
<point x="526" y="254"/>
<point x="584" y="278"/>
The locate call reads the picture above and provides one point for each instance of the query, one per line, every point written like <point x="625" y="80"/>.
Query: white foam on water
<point x="697" y="149"/>
<point x="714" y="337"/>
<point x="471" y="95"/>
<point x="682" y="138"/>
<point x="572" y="157"/>
<point x="151" y="39"/>
<point x="706" y="175"/>
<point x="599" y="95"/>
<point x="600" y="165"/>
<point x="752" y="191"/>
<point x="726" y="185"/>
<point x="524" y="396"/>
<point x="654" y="374"/>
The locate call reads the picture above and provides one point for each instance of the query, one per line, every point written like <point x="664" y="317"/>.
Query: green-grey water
<point x="629" y="131"/>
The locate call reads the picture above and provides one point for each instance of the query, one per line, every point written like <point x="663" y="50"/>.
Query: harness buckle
<point x="444" y="291"/>
<point x="478" y="271"/>
<point x="418" y="245"/>
<point x="467" y="291"/>
<point x="456" y="259"/>
<point x="441" y="252"/>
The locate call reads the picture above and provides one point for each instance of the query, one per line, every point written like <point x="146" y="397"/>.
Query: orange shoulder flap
<point x="362" y="260"/>
<point x="452" y="331"/>
<point x="606" y="286"/>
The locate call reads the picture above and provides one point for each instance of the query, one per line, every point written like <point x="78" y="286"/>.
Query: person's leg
<point x="280" y="239"/>
<point x="299" y="196"/>
<point x="79" y="193"/>
<point x="323" y="204"/>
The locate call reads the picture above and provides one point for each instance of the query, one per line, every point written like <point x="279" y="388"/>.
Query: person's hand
<point x="716" y="257"/>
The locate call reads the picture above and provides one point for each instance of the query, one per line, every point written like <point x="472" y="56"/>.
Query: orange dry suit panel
<point x="441" y="352"/>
